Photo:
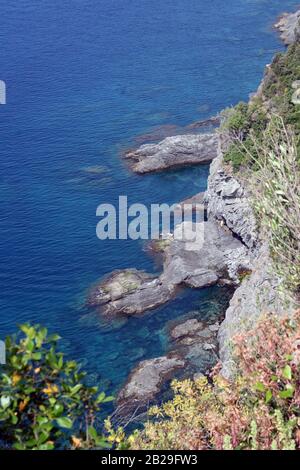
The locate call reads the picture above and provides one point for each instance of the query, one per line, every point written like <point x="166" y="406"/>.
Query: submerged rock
<point x="196" y="342"/>
<point x="173" y="152"/>
<point x="146" y="380"/>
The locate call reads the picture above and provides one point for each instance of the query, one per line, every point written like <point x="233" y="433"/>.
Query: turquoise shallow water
<point x="84" y="78"/>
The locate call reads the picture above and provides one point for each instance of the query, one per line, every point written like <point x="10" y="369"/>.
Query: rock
<point x="289" y="27"/>
<point x="215" y="256"/>
<point x="196" y="342"/>
<point x="208" y="346"/>
<point x="187" y="328"/>
<point x="228" y="201"/>
<point x="116" y="285"/>
<point x="230" y="188"/>
<point x="145" y="296"/>
<point x="257" y="294"/>
<point x="173" y="152"/>
<point x="211" y="121"/>
<point x="214" y="327"/>
<point x="196" y="201"/>
<point x="145" y="381"/>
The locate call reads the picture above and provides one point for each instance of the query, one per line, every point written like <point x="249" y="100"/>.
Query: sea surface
<point x="85" y="80"/>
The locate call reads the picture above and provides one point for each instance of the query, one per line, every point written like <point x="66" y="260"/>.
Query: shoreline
<point x="229" y="209"/>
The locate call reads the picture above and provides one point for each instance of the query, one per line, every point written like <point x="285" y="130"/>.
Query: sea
<point x="85" y="81"/>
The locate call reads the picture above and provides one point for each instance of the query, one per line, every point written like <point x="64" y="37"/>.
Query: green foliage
<point x="44" y="401"/>
<point x="244" y="121"/>
<point x="237" y="119"/>
<point x="277" y="199"/>
<point x="238" y="123"/>
<point x="258" y="410"/>
<point x="278" y="84"/>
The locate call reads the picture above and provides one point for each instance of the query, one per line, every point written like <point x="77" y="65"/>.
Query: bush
<point x="277" y="199"/>
<point x="44" y="401"/>
<point x="239" y="122"/>
<point x="258" y="410"/>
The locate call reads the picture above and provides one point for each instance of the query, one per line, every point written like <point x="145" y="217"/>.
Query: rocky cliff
<point x="228" y="200"/>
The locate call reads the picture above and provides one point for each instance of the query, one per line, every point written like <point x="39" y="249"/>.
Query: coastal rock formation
<point x="257" y="294"/>
<point x="289" y="27"/>
<point x="195" y="201"/>
<point x="193" y="347"/>
<point x="130" y="292"/>
<point x="228" y="201"/>
<point x="146" y="380"/>
<point x="196" y="342"/>
<point x="214" y="256"/>
<point x="173" y="152"/>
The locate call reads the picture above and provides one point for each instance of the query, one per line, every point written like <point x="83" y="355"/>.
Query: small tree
<point x="44" y="401"/>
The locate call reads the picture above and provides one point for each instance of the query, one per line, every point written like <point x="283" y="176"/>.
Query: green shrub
<point x="277" y="199"/>
<point x="44" y="401"/>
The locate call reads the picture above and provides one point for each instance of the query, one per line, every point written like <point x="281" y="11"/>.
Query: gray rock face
<point x="130" y="292"/>
<point x="173" y="152"/>
<point x="228" y="201"/>
<point x="196" y="342"/>
<point x="257" y="294"/>
<point x="145" y="381"/>
<point x="215" y="256"/>
<point x="289" y="27"/>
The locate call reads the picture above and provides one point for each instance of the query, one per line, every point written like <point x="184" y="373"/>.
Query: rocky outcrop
<point x="289" y="27"/>
<point x="196" y="342"/>
<point x="130" y="292"/>
<point x="258" y="294"/>
<point x="214" y="256"/>
<point x="193" y="349"/>
<point x="228" y="201"/>
<point x="146" y="380"/>
<point x="176" y="151"/>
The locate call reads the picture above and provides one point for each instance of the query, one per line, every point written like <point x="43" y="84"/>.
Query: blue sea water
<point x="84" y="78"/>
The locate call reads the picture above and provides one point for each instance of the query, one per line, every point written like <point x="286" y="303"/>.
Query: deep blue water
<point x="84" y="78"/>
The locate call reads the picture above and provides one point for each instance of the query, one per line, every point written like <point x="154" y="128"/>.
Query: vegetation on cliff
<point x="258" y="410"/>
<point x="275" y="97"/>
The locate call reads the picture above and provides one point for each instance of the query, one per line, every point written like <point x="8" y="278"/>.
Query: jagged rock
<point x="118" y="284"/>
<point x="130" y="292"/>
<point x="196" y="342"/>
<point x="145" y="381"/>
<point x="187" y="328"/>
<point x="195" y="201"/>
<point x="257" y="294"/>
<point x="173" y="152"/>
<point x="289" y="27"/>
<point x="228" y="201"/>
<point x="214" y="256"/>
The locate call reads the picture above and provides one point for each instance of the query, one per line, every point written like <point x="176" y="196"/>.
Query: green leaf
<point x="93" y="433"/>
<point x="108" y="399"/>
<point x="287" y="372"/>
<point x="37" y="356"/>
<point x="53" y="338"/>
<point x="64" y="422"/>
<point x="260" y="387"/>
<point x="75" y="389"/>
<point x="58" y="409"/>
<point x="268" y="396"/>
<point x="288" y="393"/>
